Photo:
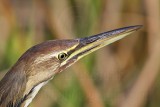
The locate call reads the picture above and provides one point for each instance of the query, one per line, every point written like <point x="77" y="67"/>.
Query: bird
<point x="42" y="62"/>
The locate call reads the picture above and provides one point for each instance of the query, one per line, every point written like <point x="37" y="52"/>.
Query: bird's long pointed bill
<point x="95" y="42"/>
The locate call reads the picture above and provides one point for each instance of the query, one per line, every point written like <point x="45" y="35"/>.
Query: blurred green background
<point x="123" y="74"/>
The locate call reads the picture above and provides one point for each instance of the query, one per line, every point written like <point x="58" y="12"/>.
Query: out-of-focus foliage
<point x="121" y="74"/>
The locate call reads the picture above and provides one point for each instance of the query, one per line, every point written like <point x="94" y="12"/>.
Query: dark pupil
<point x="63" y="56"/>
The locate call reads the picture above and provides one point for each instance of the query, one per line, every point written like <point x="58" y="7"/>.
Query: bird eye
<point x="62" y="56"/>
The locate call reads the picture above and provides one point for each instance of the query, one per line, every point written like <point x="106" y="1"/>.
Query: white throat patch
<point x="33" y="94"/>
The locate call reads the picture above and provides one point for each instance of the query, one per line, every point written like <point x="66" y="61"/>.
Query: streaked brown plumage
<point x="40" y="63"/>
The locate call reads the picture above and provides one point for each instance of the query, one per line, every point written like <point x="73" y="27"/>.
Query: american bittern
<point x="40" y="63"/>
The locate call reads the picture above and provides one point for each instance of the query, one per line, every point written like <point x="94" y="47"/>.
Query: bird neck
<point x="16" y="89"/>
<point x="12" y="87"/>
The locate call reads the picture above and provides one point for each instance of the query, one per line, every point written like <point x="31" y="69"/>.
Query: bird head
<point x="44" y="60"/>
